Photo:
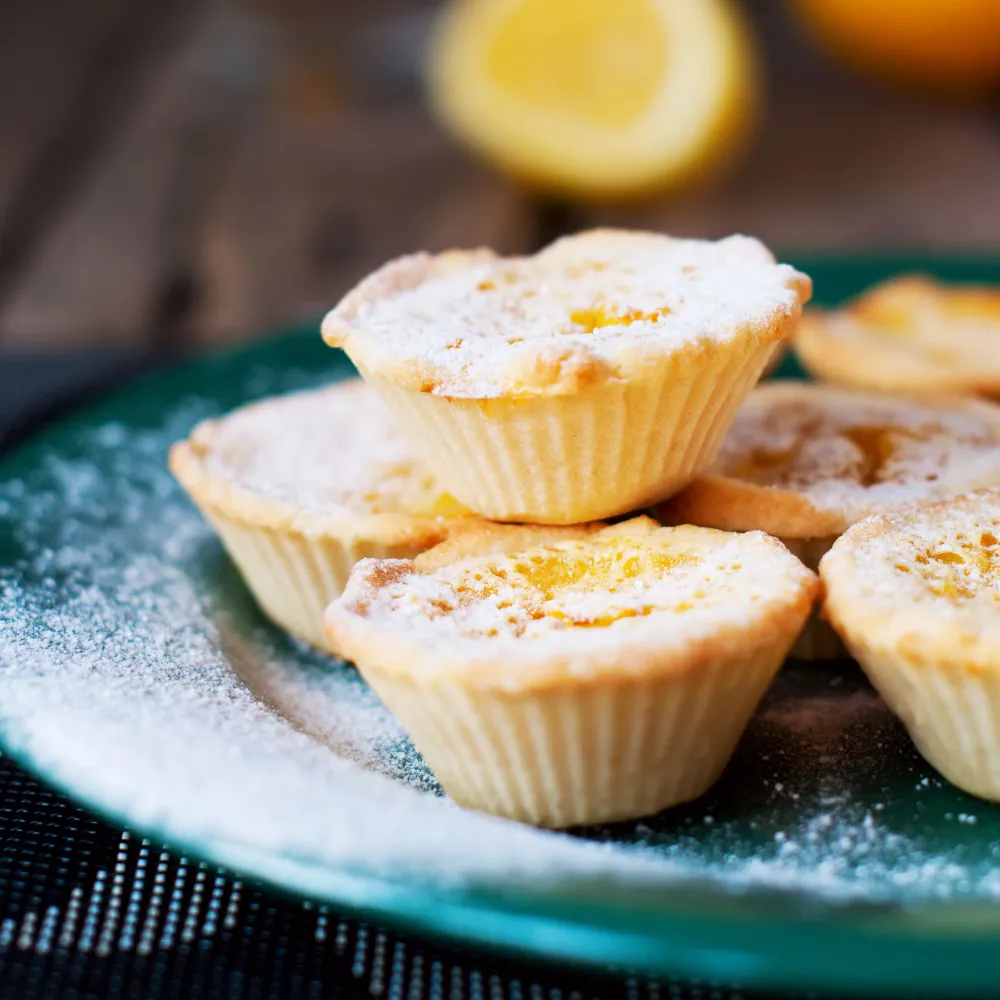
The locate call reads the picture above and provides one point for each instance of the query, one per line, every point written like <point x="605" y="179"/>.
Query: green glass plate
<point x="136" y="675"/>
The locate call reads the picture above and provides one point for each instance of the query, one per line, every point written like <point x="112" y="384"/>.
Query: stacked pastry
<point x="804" y="462"/>
<point x="887" y="483"/>
<point x="449" y="511"/>
<point x="914" y="590"/>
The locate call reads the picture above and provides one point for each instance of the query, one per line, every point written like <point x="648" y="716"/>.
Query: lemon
<point x="598" y="98"/>
<point x="950" y="46"/>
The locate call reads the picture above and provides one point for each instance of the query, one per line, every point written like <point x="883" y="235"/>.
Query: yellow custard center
<point x="596" y="317"/>
<point x="879" y="445"/>
<point x="549" y="583"/>
<point x="551" y="573"/>
<point x="966" y="569"/>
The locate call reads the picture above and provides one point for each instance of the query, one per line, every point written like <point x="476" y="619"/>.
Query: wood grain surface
<point x="174" y="173"/>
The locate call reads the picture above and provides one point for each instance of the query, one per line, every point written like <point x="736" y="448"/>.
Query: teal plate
<point x="137" y="676"/>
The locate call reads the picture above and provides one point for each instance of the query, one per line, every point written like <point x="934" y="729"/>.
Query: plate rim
<point x="744" y="952"/>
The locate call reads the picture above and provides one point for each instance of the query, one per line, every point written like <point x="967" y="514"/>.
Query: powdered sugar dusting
<point x="135" y="670"/>
<point x="634" y="577"/>
<point x="474" y="321"/>
<point x="945" y="326"/>
<point x="942" y="559"/>
<point x="861" y="453"/>
<point x="318" y="450"/>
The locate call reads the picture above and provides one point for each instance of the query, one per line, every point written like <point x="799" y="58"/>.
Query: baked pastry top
<point x="328" y="460"/>
<point x="596" y="306"/>
<point x="577" y="599"/>
<point x="924" y="581"/>
<point x="908" y="333"/>
<point x="803" y="460"/>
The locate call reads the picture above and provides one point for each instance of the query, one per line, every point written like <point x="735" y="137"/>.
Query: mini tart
<point x="593" y="378"/>
<point x="909" y="334"/>
<point x="300" y="487"/>
<point x="916" y="597"/>
<point x="805" y="461"/>
<point x="577" y="675"/>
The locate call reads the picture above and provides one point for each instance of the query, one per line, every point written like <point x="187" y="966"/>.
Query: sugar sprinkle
<point x="135" y="671"/>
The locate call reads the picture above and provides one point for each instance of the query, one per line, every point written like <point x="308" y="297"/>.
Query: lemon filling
<point x="570" y="586"/>
<point x="960" y="570"/>
<point x="633" y="581"/>
<point x="597" y="317"/>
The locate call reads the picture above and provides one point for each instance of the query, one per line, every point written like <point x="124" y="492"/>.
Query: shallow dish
<point x="137" y="675"/>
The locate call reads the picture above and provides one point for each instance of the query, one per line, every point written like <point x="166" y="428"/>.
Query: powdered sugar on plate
<point x="135" y="671"/>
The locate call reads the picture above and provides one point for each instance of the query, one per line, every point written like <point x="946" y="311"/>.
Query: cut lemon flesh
<point x="592" y="97"/>
<point x="547" y="60"/>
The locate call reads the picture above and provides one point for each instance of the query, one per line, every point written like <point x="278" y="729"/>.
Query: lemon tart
<point x="916" y="597"/>
<point x="908" y="334"/>
<point x="804" y="461"/>
<point x="300" y="487"/>
<point x="576" y="675"/>
<point x="586" y="381"/>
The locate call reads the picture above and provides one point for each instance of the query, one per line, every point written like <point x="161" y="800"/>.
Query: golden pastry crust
<point x="922" y="583"/>
<point x="605" y="304"/>
<point x="817" y="640"/>
<point x="300" y="487"/>
<point x="489" y="539"/>
<point x="325" y="463"/>
<point x="805" y="461"/>
<point x="579" y="675"/>
<point x="908" y="334"/>
<point x="747" y="591"/>
<point x="916" y="598"/>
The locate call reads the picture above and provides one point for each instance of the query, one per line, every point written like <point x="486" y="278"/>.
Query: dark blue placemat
<point x="90" y="911"/>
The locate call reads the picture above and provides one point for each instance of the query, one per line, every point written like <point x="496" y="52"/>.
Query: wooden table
<point x="173" y="173"/>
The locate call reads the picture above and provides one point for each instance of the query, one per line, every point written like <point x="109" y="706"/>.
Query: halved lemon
<point x="602" y="98"/>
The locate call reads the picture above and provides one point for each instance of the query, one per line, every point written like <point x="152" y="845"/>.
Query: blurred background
<point x="175" y="173"/>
